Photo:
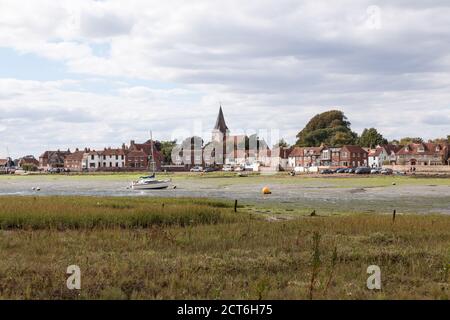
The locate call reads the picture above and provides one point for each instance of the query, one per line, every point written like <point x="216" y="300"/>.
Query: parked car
<point x="351" y="170"/>
<point x="239" y="168"/>
<point x="209" y="169"/>
<point x="399" y="173"/>
<point x="227" y="167"/>
<point x="197" y="169"/>
<point x="362" y="170"/>
<point x="387" y="171"/>
<point x="341" y="170"/>
<point x="375" y="170"/>
<point x="326" y="171"/>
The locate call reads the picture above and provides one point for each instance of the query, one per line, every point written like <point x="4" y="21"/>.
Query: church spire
<point x="220" y="122"/>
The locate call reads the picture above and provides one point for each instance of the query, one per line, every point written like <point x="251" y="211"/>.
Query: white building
<point x="107" y="159"/>
<point x="383" y="155"/>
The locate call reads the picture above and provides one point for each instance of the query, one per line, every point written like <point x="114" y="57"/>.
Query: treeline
<point x="333" y="128"/>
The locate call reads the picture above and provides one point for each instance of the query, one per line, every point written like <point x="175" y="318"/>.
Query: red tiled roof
<point x="391" y="148"/>
<point x="296" y="152"/>
<point x="316" y="150"/>
<point x="113" y="152"/>
<point x="424" y="149"/>
<point x="355" y="149"/>
<point x="76" y="156"/>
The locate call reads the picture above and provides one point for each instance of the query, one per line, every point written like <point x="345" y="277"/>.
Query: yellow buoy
<point x="266" y="190"/>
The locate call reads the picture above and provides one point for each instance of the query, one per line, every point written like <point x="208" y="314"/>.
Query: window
<point x="92" y="157"/>
<point x="110" y="164"/>
<point x="122" y="157"/>
<point x="117" y="164"/>
<point x="117" y="157"/>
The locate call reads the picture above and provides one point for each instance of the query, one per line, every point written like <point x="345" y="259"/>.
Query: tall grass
<point x="87" y="213"/>
<point x="209" y="251"/>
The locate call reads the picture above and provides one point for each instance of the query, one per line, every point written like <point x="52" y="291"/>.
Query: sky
<point x="100" y="73"/>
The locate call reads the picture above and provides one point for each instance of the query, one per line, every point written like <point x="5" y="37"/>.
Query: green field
<point x="155" y="248"/>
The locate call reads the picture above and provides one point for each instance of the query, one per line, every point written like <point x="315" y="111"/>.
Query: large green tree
<point x="370" y="138"/>
<point x="166" y="149"/>
<point x="330" y="128"/>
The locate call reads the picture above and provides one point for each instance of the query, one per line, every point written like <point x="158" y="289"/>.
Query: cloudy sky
<point x="99" y="73"/>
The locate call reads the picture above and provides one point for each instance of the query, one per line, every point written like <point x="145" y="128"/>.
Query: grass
<point x="63" y="213"/>
<point x="138" y="248"/>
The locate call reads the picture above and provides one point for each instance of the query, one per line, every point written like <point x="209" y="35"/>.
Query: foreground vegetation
<point x="141" y="248"/>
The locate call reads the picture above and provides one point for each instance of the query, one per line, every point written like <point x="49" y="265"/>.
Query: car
<point x="341" y="170"/>
<point x="399" y="173"/>
<point x="196" y="169"/>
<point x="375" y="170"/>
<point x="387" y="171"/>
<point x="227" y="167"/>
<point x="239" y="168"/>
<point x="351" y="170"/>
<point x="362" y="170"/>
<point x="55" y="170"/>
<point x="209" y="169"/>
<point x="326" y="171"/>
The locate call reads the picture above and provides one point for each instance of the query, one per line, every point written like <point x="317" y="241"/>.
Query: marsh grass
<point x="87" y="213"/>
<point x="197" y="249"/>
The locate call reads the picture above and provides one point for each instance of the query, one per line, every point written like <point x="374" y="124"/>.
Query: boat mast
<point x="152" y="163"/>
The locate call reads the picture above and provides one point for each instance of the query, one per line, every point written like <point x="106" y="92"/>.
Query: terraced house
<point x="423" y="154"/>
<point x="305" y="156"/>
<point x="383" y="155"/>
<point x="52" y="159"/>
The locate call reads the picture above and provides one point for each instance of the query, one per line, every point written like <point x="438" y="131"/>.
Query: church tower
<point x="220" y="131"/>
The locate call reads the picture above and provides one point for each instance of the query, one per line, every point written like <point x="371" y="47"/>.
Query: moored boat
<point x="150" y="182"/>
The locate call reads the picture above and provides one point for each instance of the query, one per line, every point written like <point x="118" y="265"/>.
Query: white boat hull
<point x="154" y="185"/>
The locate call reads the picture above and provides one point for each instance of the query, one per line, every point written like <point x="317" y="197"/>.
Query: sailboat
<point x="150" y="182"/>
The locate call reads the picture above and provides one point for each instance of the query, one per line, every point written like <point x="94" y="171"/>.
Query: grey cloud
<point x="104" y="25"/>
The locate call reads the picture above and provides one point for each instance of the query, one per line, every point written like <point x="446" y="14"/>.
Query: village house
<point x="106" y="160"/>
<point x="92" y="160"/>
<point x="113" y="158"/>
<point x="52" y="159"/>
<point x="28" y="162"/>
<point x="383" y="155"/>
<point x="345" y="156"/>
<point x="74" y="160"/>
<point x="295" y="157"/>
<point x="423" y="154"/>
<point x="137" y="155"/>
<point x="5" y="164"/>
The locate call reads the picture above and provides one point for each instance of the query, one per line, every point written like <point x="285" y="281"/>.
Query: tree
<point x="408" y="140"/>
<point x="395" y="142"/>
<point x="370" y="138"/>
<point x="330" y="127"/>
<point x="440" y="140"/>
<point x="166" y="148"/>
<point x="281" y="144"/>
